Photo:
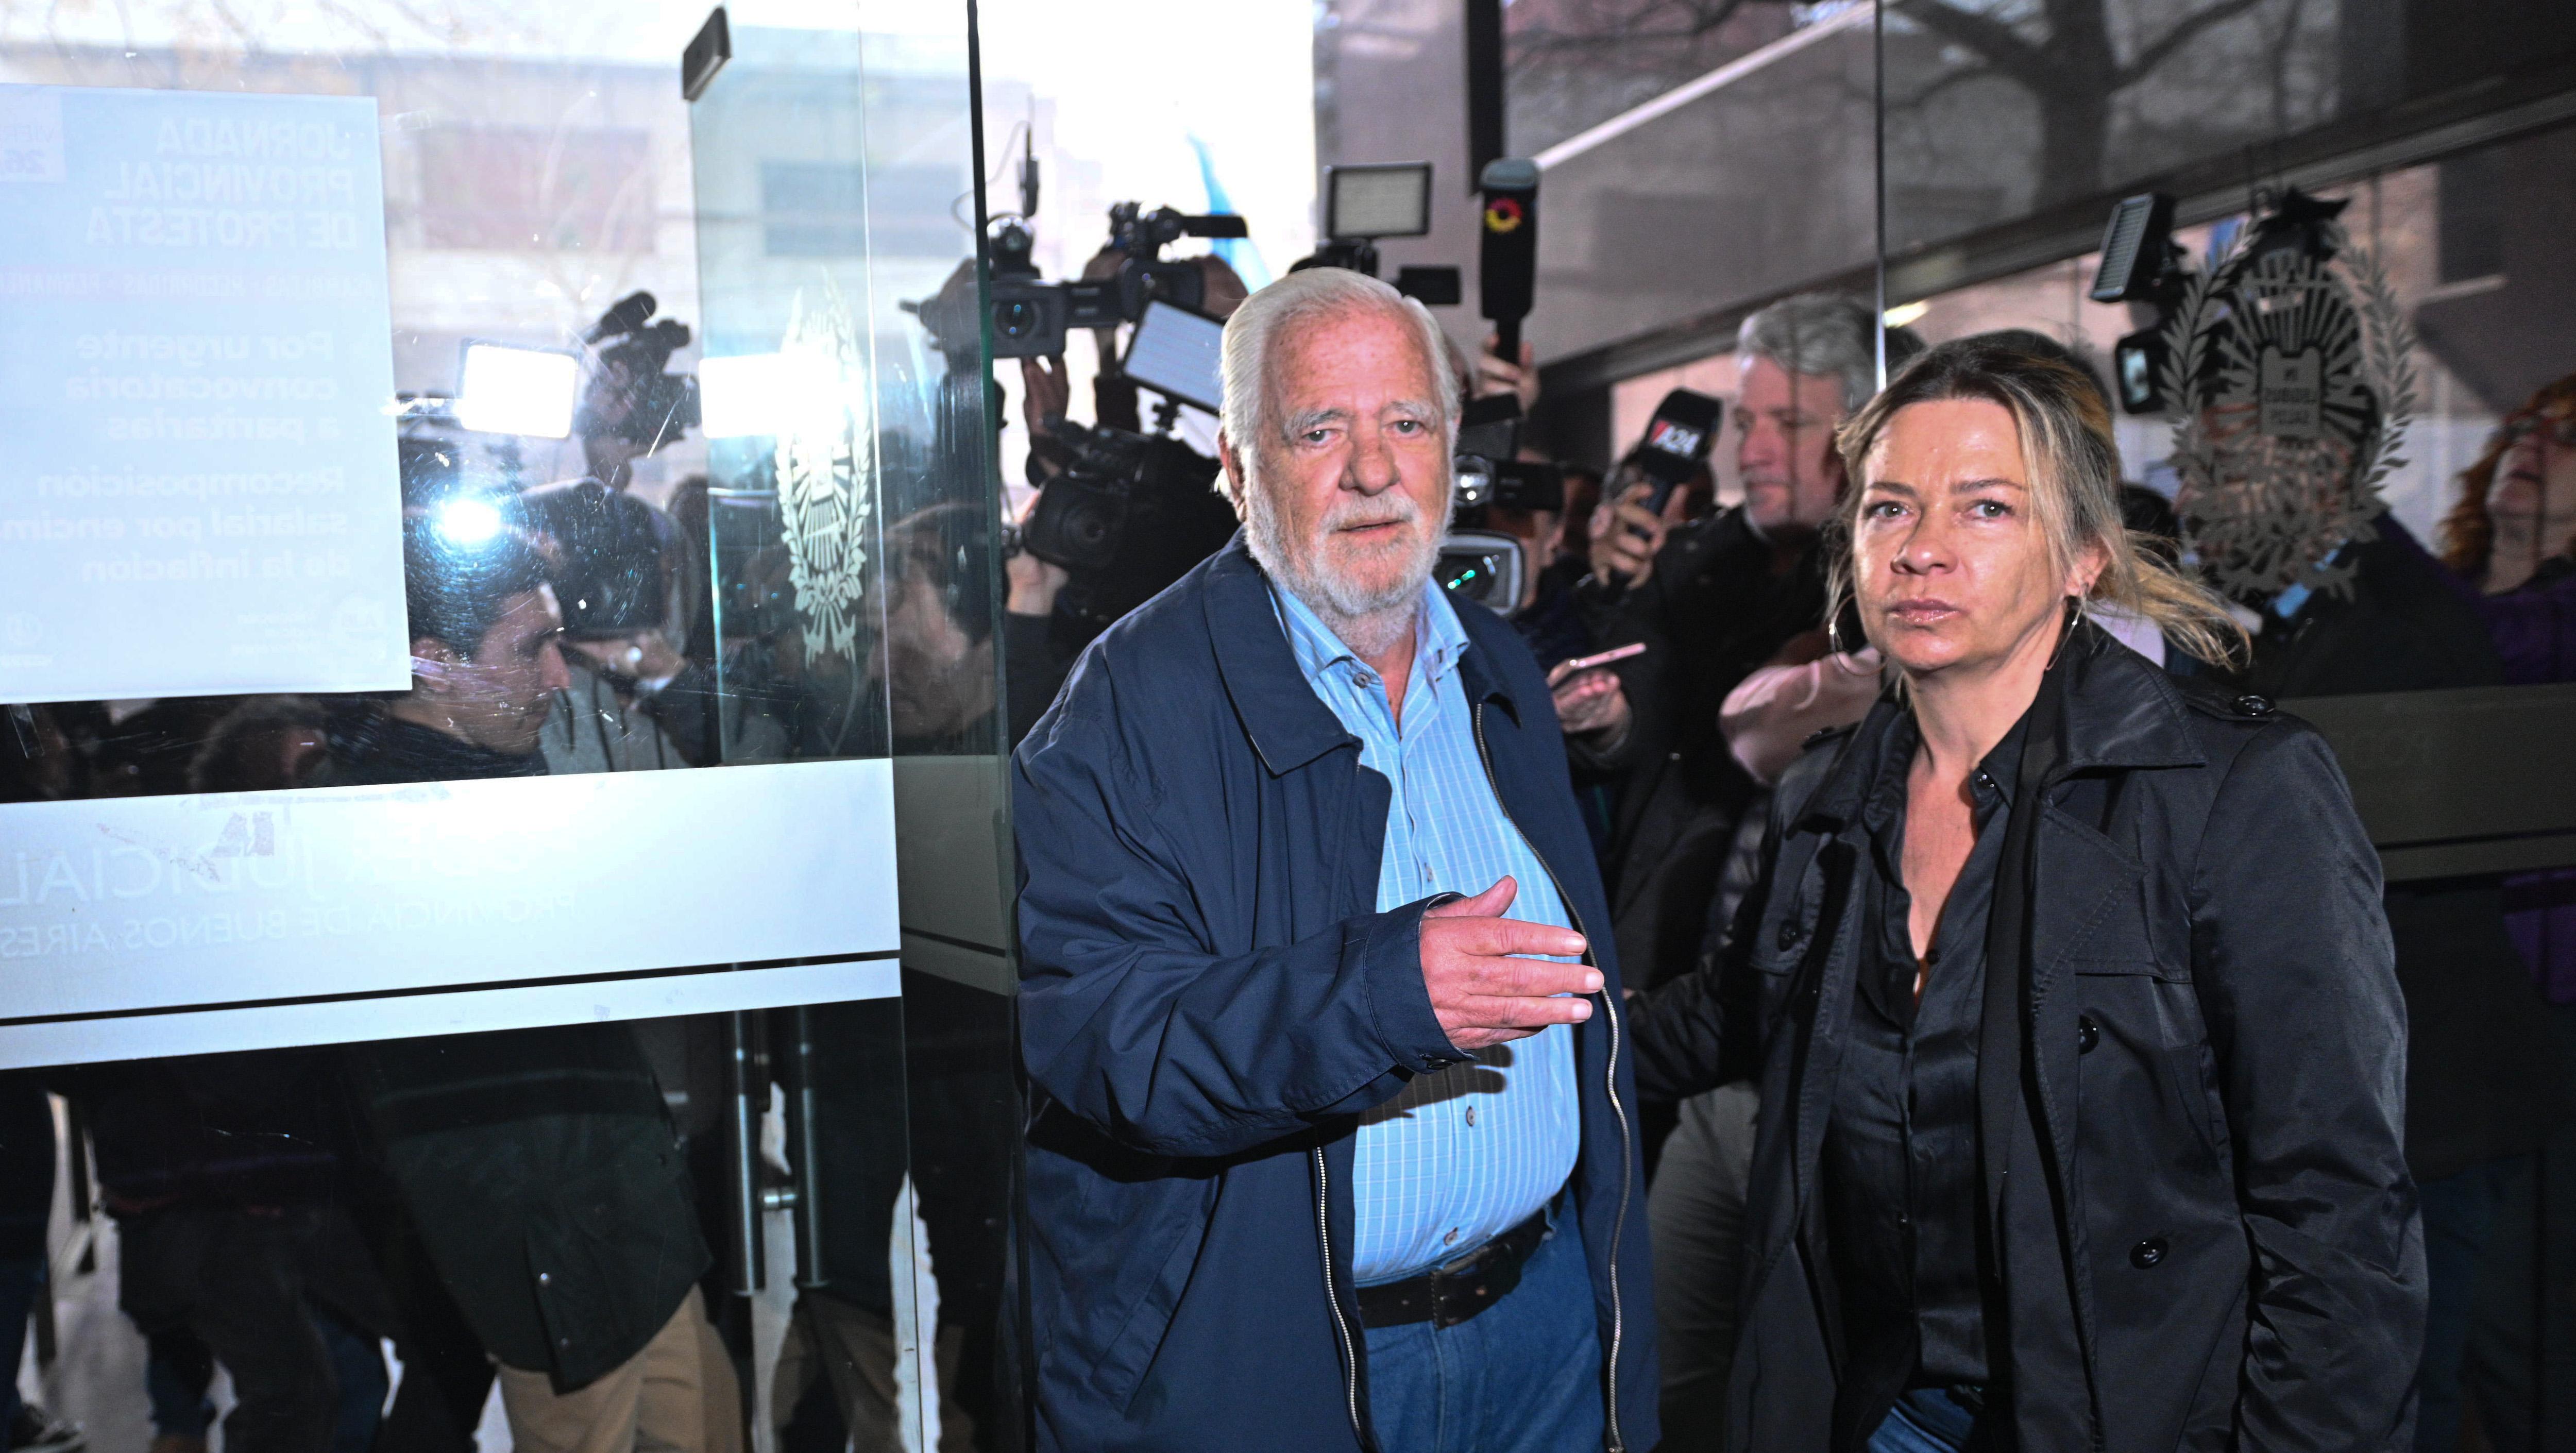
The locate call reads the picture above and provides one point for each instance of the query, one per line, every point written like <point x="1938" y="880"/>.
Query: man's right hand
<point x="1626" y="535"/>
<point x="1482" y="993"/>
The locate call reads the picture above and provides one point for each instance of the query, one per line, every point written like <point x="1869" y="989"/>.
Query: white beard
<point x="1370" y="622"/>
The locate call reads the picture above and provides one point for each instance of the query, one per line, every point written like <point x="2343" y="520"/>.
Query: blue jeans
<point x="1924" y="1420"/>
<point x="1523" y="1376"/>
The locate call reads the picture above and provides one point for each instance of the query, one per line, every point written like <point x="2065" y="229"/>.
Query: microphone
<point x="1507" y="266"/>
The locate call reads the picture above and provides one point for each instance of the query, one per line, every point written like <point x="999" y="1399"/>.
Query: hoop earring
<point x="2066" y="631"/>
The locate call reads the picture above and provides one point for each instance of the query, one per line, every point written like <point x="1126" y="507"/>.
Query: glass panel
<point x="1058" y="88"/>
<point x="1569" y="68"/>
<point x="2432" y="644"/>
<point x="536" y="558"/>
<point x="2000" y="112"/>
<point x="1645" y="237"/>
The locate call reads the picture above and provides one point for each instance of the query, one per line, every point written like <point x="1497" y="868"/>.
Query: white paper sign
<point x="118" y="905"/>
<point x="198" y="486"/>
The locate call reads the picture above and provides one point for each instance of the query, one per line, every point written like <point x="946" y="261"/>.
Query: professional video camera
<point x="1131" y="515"/>
<point x="2143" y="267"/>
<point x="1030" y="317"/>
<point x="633" y="395"/>
<point x="1478" y="562"/>
<point x="1132" y="512"/>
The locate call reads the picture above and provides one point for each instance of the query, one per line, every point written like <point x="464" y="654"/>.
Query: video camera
<point x="2141" y="266"/>
<point x="1133" y="512"/>
<point x="1130" y="515"/>
<point x="1030" y="317"/>
<point x="633" y="395"/>
<point x="1477" y="562"/>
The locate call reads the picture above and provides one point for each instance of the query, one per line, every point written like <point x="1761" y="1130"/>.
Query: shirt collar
<point x="1992" y="784"/>
<point x="1438" y="638"/>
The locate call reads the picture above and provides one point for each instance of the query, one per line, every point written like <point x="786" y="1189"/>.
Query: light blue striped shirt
<point x="1466" y="1154"/>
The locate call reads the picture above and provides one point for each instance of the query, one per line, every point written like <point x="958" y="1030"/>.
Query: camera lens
<point x="1093" y="531"/>
<point x="1015" y="318"/>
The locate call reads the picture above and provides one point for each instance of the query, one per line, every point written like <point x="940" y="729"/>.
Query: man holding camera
<point x="1044" y="626"/>
<point x="1326" y="1151"/>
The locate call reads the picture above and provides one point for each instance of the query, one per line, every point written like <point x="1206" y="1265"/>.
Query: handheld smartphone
<point x="1619" y="653"/>
<point x="1677" y="441"/>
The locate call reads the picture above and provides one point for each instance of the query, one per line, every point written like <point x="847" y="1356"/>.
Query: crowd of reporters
<point x="283" y="1212"/>
<point x="1673" y="748"/>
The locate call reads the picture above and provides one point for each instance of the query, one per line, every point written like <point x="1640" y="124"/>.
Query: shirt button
<point x="545" y="1278"/>
<point x="1471" y="1114"/>
<point x="1451" y="1239"/>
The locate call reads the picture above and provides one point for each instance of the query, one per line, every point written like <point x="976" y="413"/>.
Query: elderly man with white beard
<point x="1331" y="1136"/>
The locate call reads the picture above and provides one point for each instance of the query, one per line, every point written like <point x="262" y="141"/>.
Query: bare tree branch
<point x="2005" y="50"/>
<point x="1946" y="81"/>
<point x="2185" y="30"/>
<point x="1696" y="21"/>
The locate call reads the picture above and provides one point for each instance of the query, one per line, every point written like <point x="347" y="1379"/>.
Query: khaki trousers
<point x="678" y="1395"/>
<point x="856" y="1350"/>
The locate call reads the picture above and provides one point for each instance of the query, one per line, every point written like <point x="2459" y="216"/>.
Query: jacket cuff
<point x="1390" y="953"/>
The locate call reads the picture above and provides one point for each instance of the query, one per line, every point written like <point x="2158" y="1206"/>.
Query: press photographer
<point x="1124" y="507"/>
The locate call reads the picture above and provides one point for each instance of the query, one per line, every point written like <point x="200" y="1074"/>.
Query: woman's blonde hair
<point x="2074" y="481"/>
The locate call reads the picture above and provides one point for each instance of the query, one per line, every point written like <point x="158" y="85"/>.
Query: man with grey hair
<point x="1330" y="1141"/>
<point x="1713" y="599"/>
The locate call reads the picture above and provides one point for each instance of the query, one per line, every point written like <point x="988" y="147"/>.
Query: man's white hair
<point x="1365" y="617"/>
<point x="1251" y="423"/>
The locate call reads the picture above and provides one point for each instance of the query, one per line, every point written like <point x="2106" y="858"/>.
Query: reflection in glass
<point x="767" y="1227"/>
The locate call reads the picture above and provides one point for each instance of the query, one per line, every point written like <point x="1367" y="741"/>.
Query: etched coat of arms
<point x="826" y="470"/>
<point x="2291" y="372"/>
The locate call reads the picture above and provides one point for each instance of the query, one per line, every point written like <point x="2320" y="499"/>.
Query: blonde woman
<point x="2070" y="995"/>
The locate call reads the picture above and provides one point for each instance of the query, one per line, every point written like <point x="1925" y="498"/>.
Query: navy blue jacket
<point x="1208" y="1001"/>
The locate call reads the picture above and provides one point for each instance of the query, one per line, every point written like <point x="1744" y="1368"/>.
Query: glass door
<point x="501" y="834"/>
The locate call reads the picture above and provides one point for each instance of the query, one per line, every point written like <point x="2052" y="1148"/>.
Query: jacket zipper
<point x="1627" y="1137"/>
<point x="1333" y="1297"/>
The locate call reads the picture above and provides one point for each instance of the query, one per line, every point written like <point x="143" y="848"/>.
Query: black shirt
<point x="1901" y="1183"/>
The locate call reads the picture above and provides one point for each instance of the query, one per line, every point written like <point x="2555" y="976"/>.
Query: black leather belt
<point x="1448" y="1295"/>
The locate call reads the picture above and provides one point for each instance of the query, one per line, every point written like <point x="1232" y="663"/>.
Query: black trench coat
<point x="2206" y="1234"/>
